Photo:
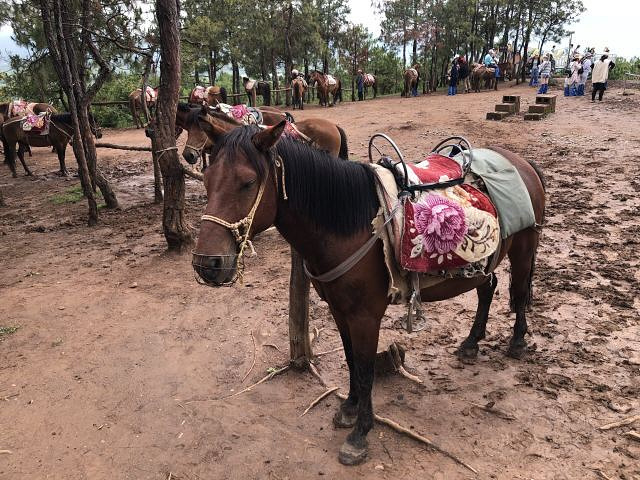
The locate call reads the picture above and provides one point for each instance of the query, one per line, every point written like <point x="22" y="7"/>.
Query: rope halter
<point x="198" y="149"/>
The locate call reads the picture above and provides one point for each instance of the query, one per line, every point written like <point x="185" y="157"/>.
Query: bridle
<point x="241" y="229"/>
<point x="198" y="149"/>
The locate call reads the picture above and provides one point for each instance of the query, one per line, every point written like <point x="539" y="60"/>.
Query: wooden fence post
<point x="299" y="341"/>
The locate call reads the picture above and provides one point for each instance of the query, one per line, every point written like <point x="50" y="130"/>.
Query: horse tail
<point x="541" y="176"/>
<point x="223" y="94"/>
<point x="344" y="149"/>
<point x="266" y="93"/>
<point x="296" y="91"/>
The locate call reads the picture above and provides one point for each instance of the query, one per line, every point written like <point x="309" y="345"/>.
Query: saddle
<point x="369" y="79"/>
<point x="447" y="227"/>
<point x="331" y="80"/>
<point x="250" y="83"/>
<point x="18" y="107"/>
<point x="37" y="123"/>
<point x="414" y="72"/>
<point x="150" y="94"/>
<point x="199" y="92"/>
<point x="242" y="113"/>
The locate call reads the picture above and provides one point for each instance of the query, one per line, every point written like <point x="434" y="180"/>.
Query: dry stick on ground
<point x="393" y="348"/>
<point x="253" y="364"/>
<point x="337" y="349"/>
<point x="621" y="423"/>
<point x="272" y="345"/>
<point x="632" y="434"/>
<point x="7" y="452"/>
<point x="277" y="371"/>
<point x="398" y="428"/>
<point x="318" y="400"/>
<point x="498" y="413"/>
<point x="602" y="474"/>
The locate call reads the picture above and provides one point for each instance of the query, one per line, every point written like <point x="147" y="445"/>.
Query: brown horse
<point x="368" y="80"/>
<point x="31" y="108"/>
<point x="410" y="88"/>
<point x="135" y="105"/>
<point x="212" y="95"/>
<point x="298" y="87"/>
<point x="481" y="74"/>
<point x="60" y="133"/>
<point x="205" y="128"/>
<point x="257" y="87"/>
<point x="326" y="91"/>
<point x="245" y="186"/>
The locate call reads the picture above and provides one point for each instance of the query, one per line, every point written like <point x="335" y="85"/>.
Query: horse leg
<point x="469" y="347"/>
<point x="21" y="150"/>
<point x="522" y="255"/>
<point x="10" y="158"/>
<point x="61" y="150"/>
<point x="363" y="329"/>
<point x="347" y="414"/>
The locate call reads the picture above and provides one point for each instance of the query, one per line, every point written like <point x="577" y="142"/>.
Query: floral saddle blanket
<point x="37" y="124"/>
<point x="242" y="113"/>
<point x="453" y="226"/>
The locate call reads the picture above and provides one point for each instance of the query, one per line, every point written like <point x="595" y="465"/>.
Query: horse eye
<point x="247" y="185"/>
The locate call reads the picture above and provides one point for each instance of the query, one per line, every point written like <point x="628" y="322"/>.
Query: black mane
<point x="337" y="195"/>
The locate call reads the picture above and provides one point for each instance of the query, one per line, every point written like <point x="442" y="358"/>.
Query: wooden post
<point x="299" y="341"/>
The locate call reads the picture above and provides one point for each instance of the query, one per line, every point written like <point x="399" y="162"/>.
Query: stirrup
<point x="414" y="320"/>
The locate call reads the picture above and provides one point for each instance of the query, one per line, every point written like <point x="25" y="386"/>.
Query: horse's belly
<point x="39" y="140"/>
<point x="450" y="288"/>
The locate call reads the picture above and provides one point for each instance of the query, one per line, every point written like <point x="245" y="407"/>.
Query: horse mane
<point x="337" y="196"/>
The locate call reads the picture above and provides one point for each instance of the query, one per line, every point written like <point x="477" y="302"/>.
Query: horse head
<point x="204" y="129"/>
<point x="241" y="201"/>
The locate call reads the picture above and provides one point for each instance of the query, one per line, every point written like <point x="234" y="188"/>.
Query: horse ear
<point x="268" y="137"/>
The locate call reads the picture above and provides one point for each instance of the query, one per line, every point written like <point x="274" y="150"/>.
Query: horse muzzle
<point x="190" y="155"/>
<point x="215" y="270"/>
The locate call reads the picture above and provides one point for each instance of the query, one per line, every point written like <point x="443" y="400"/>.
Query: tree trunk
<point x="52" y="19"/>
<point x="176" y="231"/>
<point x="288" y="59"/>
<point x="274" y="76"/>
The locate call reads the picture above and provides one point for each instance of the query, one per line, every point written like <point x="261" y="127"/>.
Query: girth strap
<point x="358" y="255"/>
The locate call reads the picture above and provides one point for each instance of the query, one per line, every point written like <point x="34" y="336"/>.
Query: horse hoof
<point x="467" y="351"/>
<point x="344" y="420"/>
<point x="517" y="351"/>
<point x="352" y="455"/>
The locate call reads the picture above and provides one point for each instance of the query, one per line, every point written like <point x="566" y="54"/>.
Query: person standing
<point x="463" y="73"/>
<point x="574" y="75"/>
<point x="586" y="70"/>
<point x="360" y="85"/>
<point x="545" y="74"/>
<point x="453" y="77"/>
<point x="535" y="62"/>
<point x="600" y="76"/>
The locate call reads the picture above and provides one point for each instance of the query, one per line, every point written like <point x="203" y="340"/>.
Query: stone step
<point x="506" y="107"/>
<point x="540" y="108"/>
<point x="547" y="100"/>
<point x="497" y="115"/>
<point x="514" y="99"/>
<point x="534" y="116"/>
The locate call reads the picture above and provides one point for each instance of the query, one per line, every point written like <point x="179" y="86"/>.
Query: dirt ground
<point x="120" y="361"/>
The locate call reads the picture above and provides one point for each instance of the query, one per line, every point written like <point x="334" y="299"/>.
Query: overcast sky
<point x="608" y="23"/>
<point x="605" y="23"/>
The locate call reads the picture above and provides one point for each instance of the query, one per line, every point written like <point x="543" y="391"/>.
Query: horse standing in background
<point x="212" y="95"/>
<point x="298" y="88"/>
<point x="410" y="82"/>
<point x="257" y="87"/>
<point x="327" y="85"/>
<point x="368" y="80"/>
<point x="135" y="104"/>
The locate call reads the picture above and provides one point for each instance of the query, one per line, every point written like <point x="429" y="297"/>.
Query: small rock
<point x="379" y="467"/>
<point x="134" y="285"/>
<point x="60" y="308"/>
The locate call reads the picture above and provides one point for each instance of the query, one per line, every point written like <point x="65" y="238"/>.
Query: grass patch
<point x="72" y="195"/>
<point x="4" y="331"/>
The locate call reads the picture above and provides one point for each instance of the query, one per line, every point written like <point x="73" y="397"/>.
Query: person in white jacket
<point x="600" y="75"/>
<point x="587" y="62"/>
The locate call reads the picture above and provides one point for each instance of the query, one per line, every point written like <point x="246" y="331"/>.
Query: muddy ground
<point x="120" y="358"/>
